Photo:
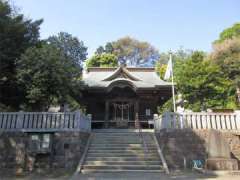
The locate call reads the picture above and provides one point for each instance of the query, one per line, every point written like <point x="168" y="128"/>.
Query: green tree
<point x="102" y="60"/>
<point x="160" y="69"/>
<point x="46" y="76"/>
<point x="229" y="33"/>
<point x="17" y="33"/>
<point x="100" y="50"/>
<point x="135" y="53"/>
<point x="227" y="55"/>
<point x="202" y="84"/>
<point x="72" y="48"/>
<point x="179" y="55"/>
<point x="108" y="48"/>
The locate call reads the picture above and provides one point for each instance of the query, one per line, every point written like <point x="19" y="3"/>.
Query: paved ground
<point x="126" y="176"/>
<point x="153" y="176"/>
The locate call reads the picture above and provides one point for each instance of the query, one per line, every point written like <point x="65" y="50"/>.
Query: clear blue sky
<point x="168" y="24"/>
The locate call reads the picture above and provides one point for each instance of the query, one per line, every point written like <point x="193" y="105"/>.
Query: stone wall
<point x="66" y="150"/>
<point x="181" y="146"/>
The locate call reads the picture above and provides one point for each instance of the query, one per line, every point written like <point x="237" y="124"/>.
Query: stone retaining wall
<point x="181" y="146"/>
<point x="16" y="154"/>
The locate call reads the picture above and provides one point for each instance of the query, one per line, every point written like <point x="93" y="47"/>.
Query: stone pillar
<point x="136" y="109"/>
<point x="106" y="114"/>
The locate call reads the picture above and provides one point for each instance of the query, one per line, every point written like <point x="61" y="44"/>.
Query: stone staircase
<point x="121" y="151"/>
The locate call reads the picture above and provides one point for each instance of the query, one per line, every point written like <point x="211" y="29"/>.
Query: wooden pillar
<point x="106" y="114"/>
<point x="136" y="114"/>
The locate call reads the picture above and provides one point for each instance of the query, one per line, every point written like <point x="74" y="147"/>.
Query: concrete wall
<point x="184" y="145"/>
<point x="16" y="155"/>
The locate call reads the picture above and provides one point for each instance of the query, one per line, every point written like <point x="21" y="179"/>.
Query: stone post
<point x="157" y="122"/>
<point x="20" y="116"/>
<point x="90" y="122"/>
<point x="78" y="119"/>
<point x="238" y="119"/>
<point x="106" y="123"/>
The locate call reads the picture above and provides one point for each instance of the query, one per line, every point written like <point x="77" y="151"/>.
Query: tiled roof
<point x="139" y="77"/>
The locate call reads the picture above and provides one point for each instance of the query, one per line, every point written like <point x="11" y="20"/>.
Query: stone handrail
<point x="138" y="126"/>
<point x="198" y="120"/>
<point x="44" y="121"/>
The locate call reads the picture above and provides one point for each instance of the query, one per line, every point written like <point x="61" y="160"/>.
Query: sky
<point x="166" y="24"/>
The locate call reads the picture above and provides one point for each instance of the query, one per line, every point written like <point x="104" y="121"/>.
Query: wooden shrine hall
<point x="116" y="96"/>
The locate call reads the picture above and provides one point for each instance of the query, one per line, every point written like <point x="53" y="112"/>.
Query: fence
<point x="199" y="120"/>
<point x="44" y="121"/>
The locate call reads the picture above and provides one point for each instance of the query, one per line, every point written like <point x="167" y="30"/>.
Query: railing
<point x="138" y="126"/>
<point x="198" y="120"/>
<point x="44" y="121"/>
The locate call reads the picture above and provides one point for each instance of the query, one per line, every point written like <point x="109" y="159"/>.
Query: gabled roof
<point x="121" y="72"/>
<point x="140" y="77"/>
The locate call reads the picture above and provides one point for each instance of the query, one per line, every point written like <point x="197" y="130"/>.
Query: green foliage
<point x="46" y="76"/>
<point x="227" y="55"/>
<point x="17" y="33"/>
<point x="100" y="50"/>
<point x="102" y="60"/>
<point x="131" y="52"/>
<point x="160" y="69"/>
<point x="135" y="53"/>
<point x="180" y="55"/>
<point x="166" y="107"/>
<point x="229" y="33"/>
<point x="72" y="48"/>
<point x="202" y="84"/>
<point x="107" y="49"/>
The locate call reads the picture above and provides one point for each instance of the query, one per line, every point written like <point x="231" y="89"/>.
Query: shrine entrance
<point x="122" y="114"/>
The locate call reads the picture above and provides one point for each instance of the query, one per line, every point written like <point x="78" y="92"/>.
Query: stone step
<point x="121" y="136"/>
<point x="122" y="151"/>
<point x="121" y="148"/>
<point x="122" y="140"/>
<point x="122" y="158"/>
<point x="122" y="155"/>
<point x="123" y="162"/>
<point x="119" y="145"/>
<point x="123" y="167"/>
<point x="89" y="171"/>
<point x="115" y="131"/>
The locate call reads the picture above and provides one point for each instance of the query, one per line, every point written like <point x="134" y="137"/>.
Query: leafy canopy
<point x="201" y="83"/>
<point x="102" y="60"/>
<point x="131" y="52"/>
<point x="17" y="33"/>
<point x="47" y="76"/>
<point x="72" y="48"/>
<point x="229" y="33"/>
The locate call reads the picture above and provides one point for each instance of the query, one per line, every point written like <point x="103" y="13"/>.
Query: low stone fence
<point x="181" y="146"/>
<point x="42" y="140"/>
<point x="198" y="120"/>
<point x="44" y="121"/>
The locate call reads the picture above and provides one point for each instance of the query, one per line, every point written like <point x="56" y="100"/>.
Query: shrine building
<point x="115" y="97"/>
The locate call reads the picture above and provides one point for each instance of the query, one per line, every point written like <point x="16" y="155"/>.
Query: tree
<point x="108" y="48"/>
<point x="99" y="50"/>
<point x="46" y="76"/>
<point x="17" y="33"/>
<point x="135" y="53"/>
<point x="102" y="60"/>
<point x="202" y="84"/>
<point x="160" y="69"/>
<point x="179" y="55"/>
<point x="74" y="49"/>
<point x="229" y="33"/>
<point x="227" y="55"/>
